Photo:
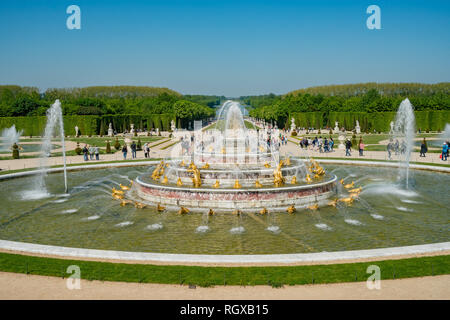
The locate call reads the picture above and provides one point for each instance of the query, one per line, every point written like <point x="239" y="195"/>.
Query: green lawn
<point x="101" y="141"/>
<point x="211" y="276"/>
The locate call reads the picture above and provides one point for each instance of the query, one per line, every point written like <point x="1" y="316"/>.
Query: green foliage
<point x="78" y="150"/>
<point x="15" y="151"/>
<point x="139" y="145"/>
<point x="108" y="147"/>
<point x="117" y="144"/>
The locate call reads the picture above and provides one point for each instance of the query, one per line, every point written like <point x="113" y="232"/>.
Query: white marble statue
<point x="357" y="128"/>
<point x="110" y="130"/>
<point x="77" y="131"/>
<point x="172" y="125"/>
<point x="293" y="126"/>
<point x="336" y="126"/>
<point x="392" y="127"/>
<point x="132" y="128"/>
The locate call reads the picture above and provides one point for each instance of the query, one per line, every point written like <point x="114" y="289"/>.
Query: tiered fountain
<point x="232" y="168"/>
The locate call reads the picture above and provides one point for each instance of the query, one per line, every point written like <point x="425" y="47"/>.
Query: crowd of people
<point x="317" y="144"/>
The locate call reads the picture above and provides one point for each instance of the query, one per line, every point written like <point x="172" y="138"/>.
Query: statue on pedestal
<point x="336" y="126"/>
<point x="293" y="126"/>
<point x="110" y="130"/>
<point x="357" y="128"/>
<point x="132" y="128"/>
<point x="392" y="127"/>
<point x="173" y="126"/>
<point x="77" y="131"/>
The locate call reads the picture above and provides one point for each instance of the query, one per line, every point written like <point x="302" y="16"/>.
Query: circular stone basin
<point x="385" y="215"/>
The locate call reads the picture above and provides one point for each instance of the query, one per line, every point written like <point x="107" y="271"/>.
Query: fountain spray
<point x="404" y="130"/>
<point x="54" y="118"/>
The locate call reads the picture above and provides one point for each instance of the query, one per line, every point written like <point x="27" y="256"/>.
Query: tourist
<point x="133" y="150"/>
<point x="444" y="152"/>
<point x="348" y="145"/>
<point x="331" y="144"/>
<point x="361" y="147"/>
<point x="91" y="152"/>
<point x="85" y="152"/>
<point x="423" y="148"/>
<point x="145" y="150"/>
<point x="389" y="149"/>
<point x="97" y="152"/>
<point x="325" y="145"/>
<point x="124" y="151"/>
<point x="396" y="147"/>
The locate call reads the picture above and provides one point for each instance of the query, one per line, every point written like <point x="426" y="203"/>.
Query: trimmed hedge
<point x="380" y="121"/>
<point x="89" y="124"/>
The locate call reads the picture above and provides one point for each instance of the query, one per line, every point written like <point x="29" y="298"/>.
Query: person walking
<point x="91" y="152"/>
<point x="124" y="151"/>
<point x="389" y="149"/>
<point x="145" y="150"/>
<point x="331" y="144"/>
<point x="85" y="152"/>
<point x="361" y="148"/>
<point x="348" y="145"/>
<point x="97" y="152"/>
<point x="444" y="152"/>
<point x="423" y="148"/>
<point x="133" y="150"/>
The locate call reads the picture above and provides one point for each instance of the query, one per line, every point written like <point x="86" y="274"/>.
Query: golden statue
<point x="196" y="180"/>
<point x="357" y="190"/>
<point x="217" y="184"/>
<point x="139" y="205"/>
<point x="333" y="203"/>
<point x="211" y="212"/>
<point x="236" y="212"/>
<point x="314" y="207"/>
<point x="223" y="150"/>
<point x="341" y="181"/>
<point x="347" y="200"/>
<point x="267" y="165"/>
<point x="123" y="203"/>
<point x="205" y="166"/>
<point x="258" y="184"/>
<point x="159" y="171"/>
<point x="182" y="164"/>
<point x="117" y="196"/>
<point x="183" y="210"/>
<point x="291" y="209"/>
<point x="115" y="191"/>
<point x="165" y="180"/>
<point x="350" y="185"/>
<point x="263" y="211"/>
<point x="278" y="179"/>
<point x="124" y="187"/>
<point x="237" y="185"/>
<point x="287" y="161"/>
<point x="294" y="180"/>
<point x="308" y="178"/>
<point x="160" y="208"/>
<point x="179" y="182"/>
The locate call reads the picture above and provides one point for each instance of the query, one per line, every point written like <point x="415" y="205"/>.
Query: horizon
<point x="231" y="49"/>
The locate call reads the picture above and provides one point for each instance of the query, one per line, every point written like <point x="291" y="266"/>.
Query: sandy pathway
<point x="20" y="286"/>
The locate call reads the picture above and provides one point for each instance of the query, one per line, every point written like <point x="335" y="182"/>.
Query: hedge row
<point x="379" y="121"/>
<point x="89" y="125"/>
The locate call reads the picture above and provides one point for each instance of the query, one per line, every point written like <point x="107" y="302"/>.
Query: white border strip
<point x="232" y="259"/>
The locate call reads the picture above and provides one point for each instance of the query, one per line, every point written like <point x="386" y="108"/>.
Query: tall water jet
<point x="54" y="120"/>
<point x="404" y="133"/>
<point x="9" y="137"/>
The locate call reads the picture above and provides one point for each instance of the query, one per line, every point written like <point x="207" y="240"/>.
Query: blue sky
<point x="229" y="48"/>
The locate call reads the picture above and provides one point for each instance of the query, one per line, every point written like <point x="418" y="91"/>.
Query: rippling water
<point x="385" y="215"/>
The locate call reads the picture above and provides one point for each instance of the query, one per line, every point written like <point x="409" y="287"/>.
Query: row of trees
<point x="120" y="100"/>
<point x="279" y="108"/>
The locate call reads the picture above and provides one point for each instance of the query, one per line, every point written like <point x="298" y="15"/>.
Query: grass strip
<point x="213" y="276"/>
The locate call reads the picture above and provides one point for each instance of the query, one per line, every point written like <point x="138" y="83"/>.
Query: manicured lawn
<point x="210" y="276"/>
<point x="101" y="141"/>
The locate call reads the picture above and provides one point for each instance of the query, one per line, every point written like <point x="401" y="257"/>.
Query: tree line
<point x="18" y="101"/>
<point x="351" y="98"/>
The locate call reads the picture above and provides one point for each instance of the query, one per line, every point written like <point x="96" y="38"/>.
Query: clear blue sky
<point x="227" y="48"/>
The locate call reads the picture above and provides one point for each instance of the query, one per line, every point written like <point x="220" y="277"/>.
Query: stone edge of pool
<point x="31" y="248"/>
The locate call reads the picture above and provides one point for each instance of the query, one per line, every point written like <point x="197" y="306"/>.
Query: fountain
<point x="404" y="133"/>
<point x="54" y="120"/>
<point x="9" y="137"/>
<point x="234" y="168"/>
